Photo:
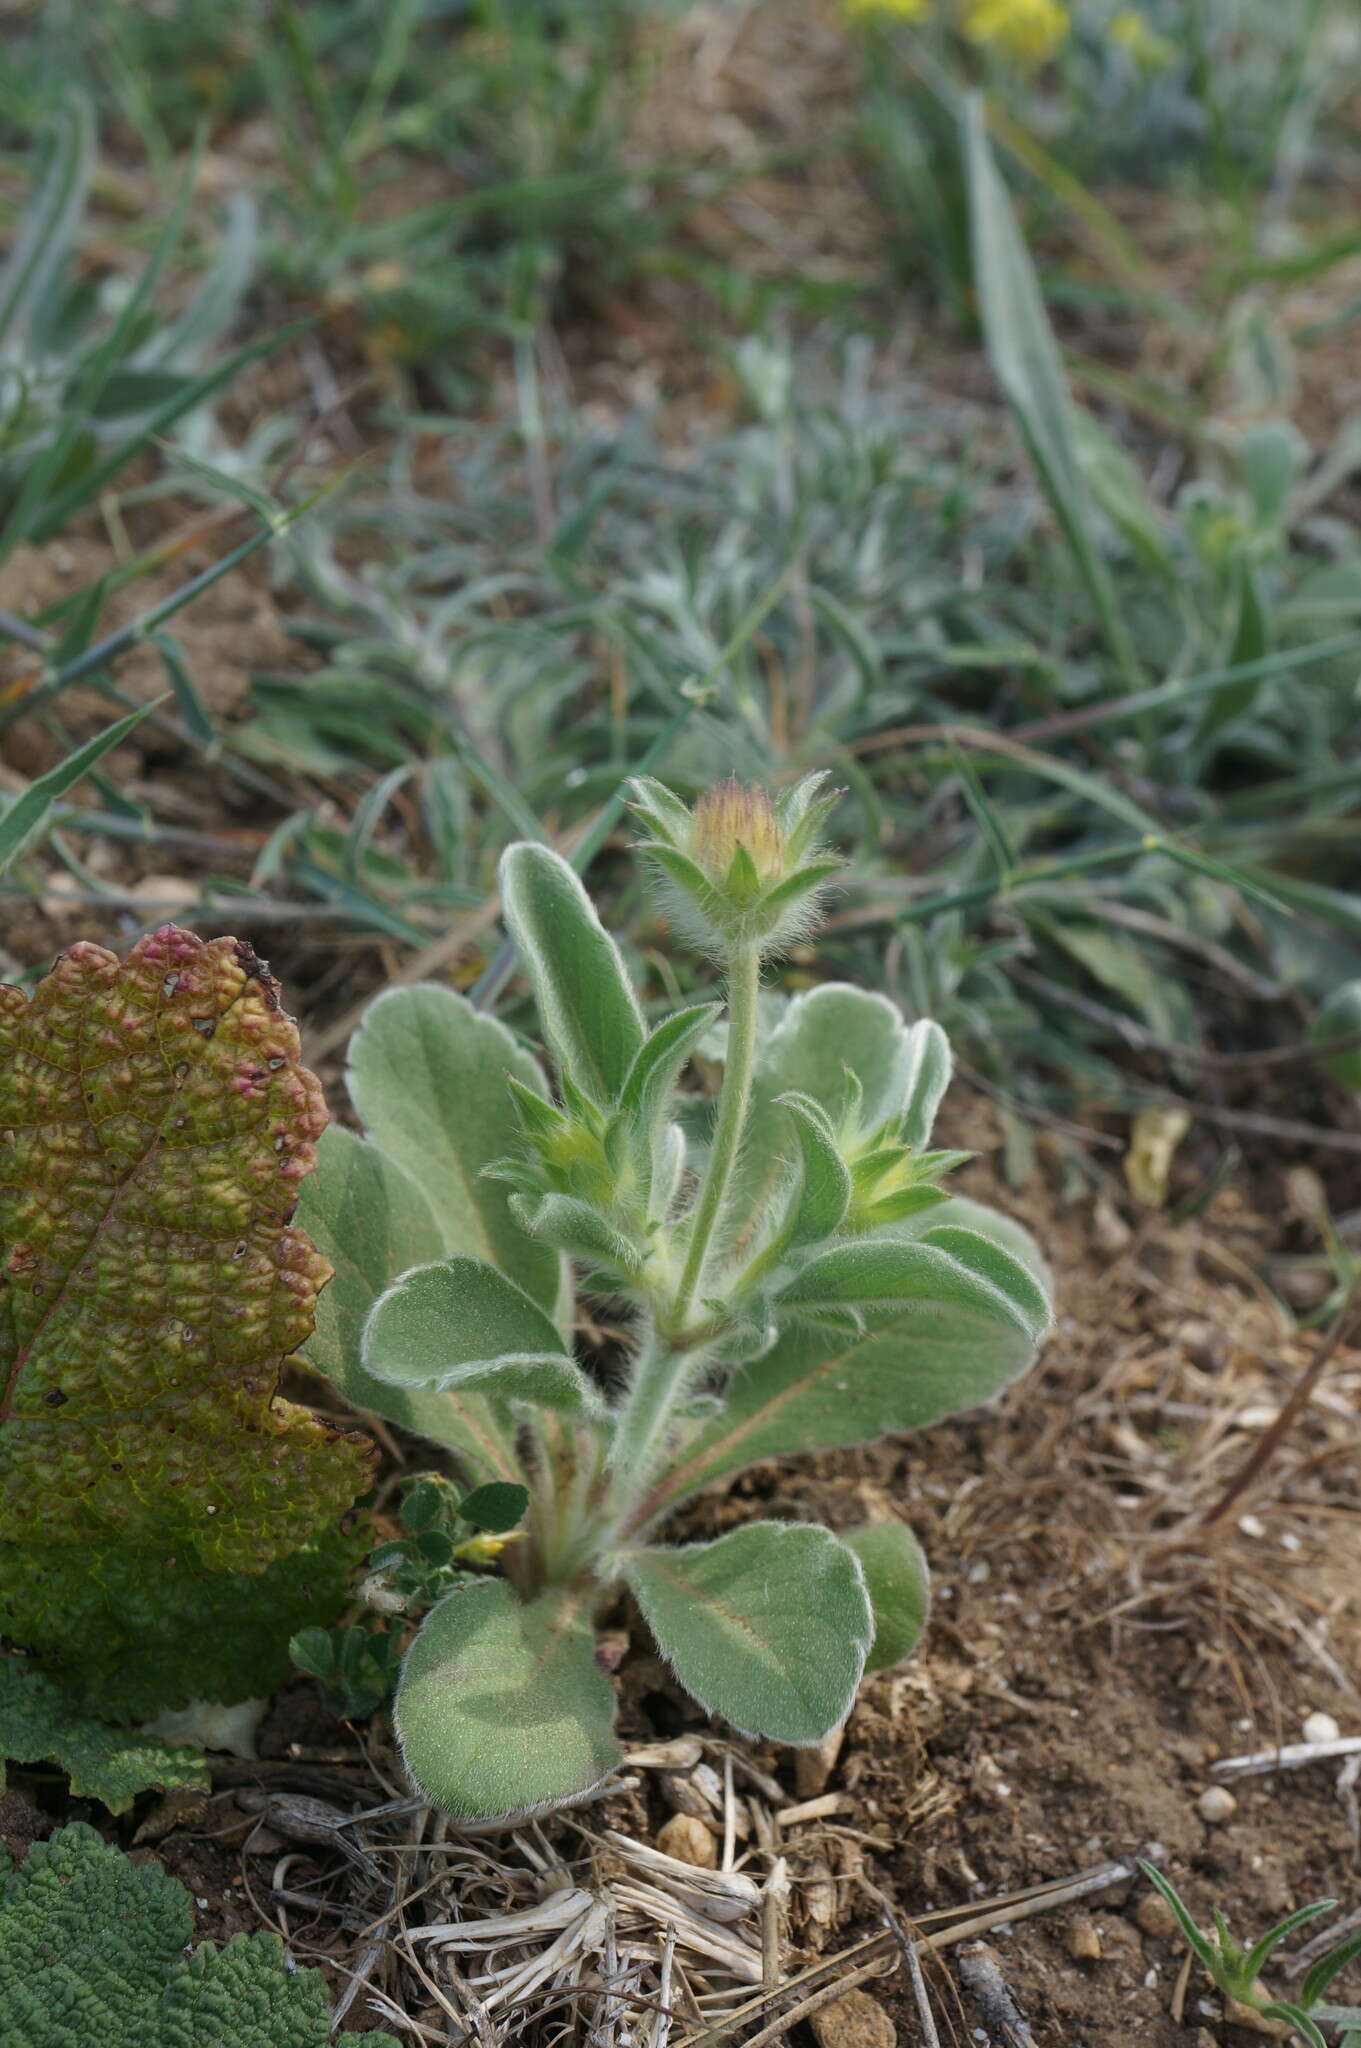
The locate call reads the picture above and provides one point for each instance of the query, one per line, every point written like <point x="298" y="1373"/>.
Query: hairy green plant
<point x="92" y="1948"/>
<point x="792" y="1275"/>
<point x="166" y="1522"/>
<point x="1237" y="1971"/>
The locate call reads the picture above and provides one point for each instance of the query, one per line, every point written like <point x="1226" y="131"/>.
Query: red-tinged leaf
<point x="155" y="1123"/>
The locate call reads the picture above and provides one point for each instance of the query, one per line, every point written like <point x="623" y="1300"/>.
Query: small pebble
<point x="688" y="1840"/>
<point x="1216" y="1805"/>
<point x="1321" y="1728"/>
<point x="1082" y="1940"/>
<point x="1154" y="1917"/>
<point x="1109" y="1227"/>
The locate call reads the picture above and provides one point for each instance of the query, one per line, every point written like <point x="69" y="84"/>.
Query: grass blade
<point x="26" y="815"/>
<point x="1026" y="362"/>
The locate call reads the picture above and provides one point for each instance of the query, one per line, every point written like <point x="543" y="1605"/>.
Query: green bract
<point x="793" y="1279"/>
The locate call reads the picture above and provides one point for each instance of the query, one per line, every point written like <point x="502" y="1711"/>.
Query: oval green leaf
<point x="502" y="1707"/>
<point x="369" y="1218"/>
<point x="460" y="1323"/>
<point x="589" y="1012"/>
<point x="899" y="1585"/>
<point x="428" y="1075"/>
<point x="769" y="1626"/>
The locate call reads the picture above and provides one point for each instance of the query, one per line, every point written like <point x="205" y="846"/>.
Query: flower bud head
<point x="743" y="868"/>
<point x="737" y="815"/>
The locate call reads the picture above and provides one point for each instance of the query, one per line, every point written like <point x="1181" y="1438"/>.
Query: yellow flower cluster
<point x="1029" y="29"/>
<point x="894" y="10"/>
<point x="1139" y="40"/>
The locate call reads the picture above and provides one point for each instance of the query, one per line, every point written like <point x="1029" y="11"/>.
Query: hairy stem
<point x="669" y="1355"/>
<point x="744" y="985"/>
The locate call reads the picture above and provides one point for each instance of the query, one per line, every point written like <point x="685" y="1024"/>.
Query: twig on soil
<point x="1288" y="1758"/>
<point x="930" y="2036"/>
<point x="981" y="1975"/>
<point x="1267" y="1445"/>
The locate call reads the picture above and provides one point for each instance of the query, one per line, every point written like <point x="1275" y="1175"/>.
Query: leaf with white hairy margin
<point x="821" y="1036"/>
<point x="428" y="1075"/>
<point x="589" y="1011"/>
<point x="899" y="1585"/>
<point x="950" y="1347"/>
<point x="769" y="1626"/>
<point x="930" y="1064"/>
<point x="459" y="1323"/>
<point x="369" y="1218"/>
<point x="947" y="1265"/>
<point x="502" y="1706"/>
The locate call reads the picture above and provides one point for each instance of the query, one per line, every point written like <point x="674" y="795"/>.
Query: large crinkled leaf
<point x="41" y="1722"/>
<point x="943" y="1331"/>
<point x="428" y="1075"/>
<point x="156" y="1125"/>
<point x="93" y="1955"/>
<point x="134" y="1628"/>
<point x="503" y="1707"/>
<point x="769" y="1626"/>
<point x="368" y="1217"/>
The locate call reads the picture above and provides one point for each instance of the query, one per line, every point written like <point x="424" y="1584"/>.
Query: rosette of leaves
<point x="793" y="1278"/>
<point x="166" y="1521"/>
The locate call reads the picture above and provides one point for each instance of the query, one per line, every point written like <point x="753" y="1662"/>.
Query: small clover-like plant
<point x="1237" y="1971"/>
<point x="447" y="1540"/>
<point x="792" y="1276"/>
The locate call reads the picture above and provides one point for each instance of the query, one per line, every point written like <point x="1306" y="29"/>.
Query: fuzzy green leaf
<point x="587" y="1005"/>
<point x="92" y="1950"/>
<point x="820" y="1038"/>
<point x="502" y="1707"/>
<point x="154" y="1128"/>
<point x="928" y="1077"/>
<point x="369" y="1218"/>
<point x="646" y="1092"/>
<point x="428" y="1075"/>
<point x="577" y="1229"/>
<point x="899" y="1585"/>
<point x="40" y="1722"/>
<point x="945" y="1264"/>
<point x="460" y="1323"/>
<point x="940" y="1335"/>
<point x="825" y="1191"/>
<point x="769" y="1626"/>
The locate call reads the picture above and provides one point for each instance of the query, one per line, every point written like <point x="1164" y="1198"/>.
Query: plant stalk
<point x="744" y="987"/>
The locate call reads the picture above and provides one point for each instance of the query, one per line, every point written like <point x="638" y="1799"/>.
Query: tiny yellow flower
<point x="1030" y="30"/>
<point x="1131" y="33"/>
<point x="893" y="10"/>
